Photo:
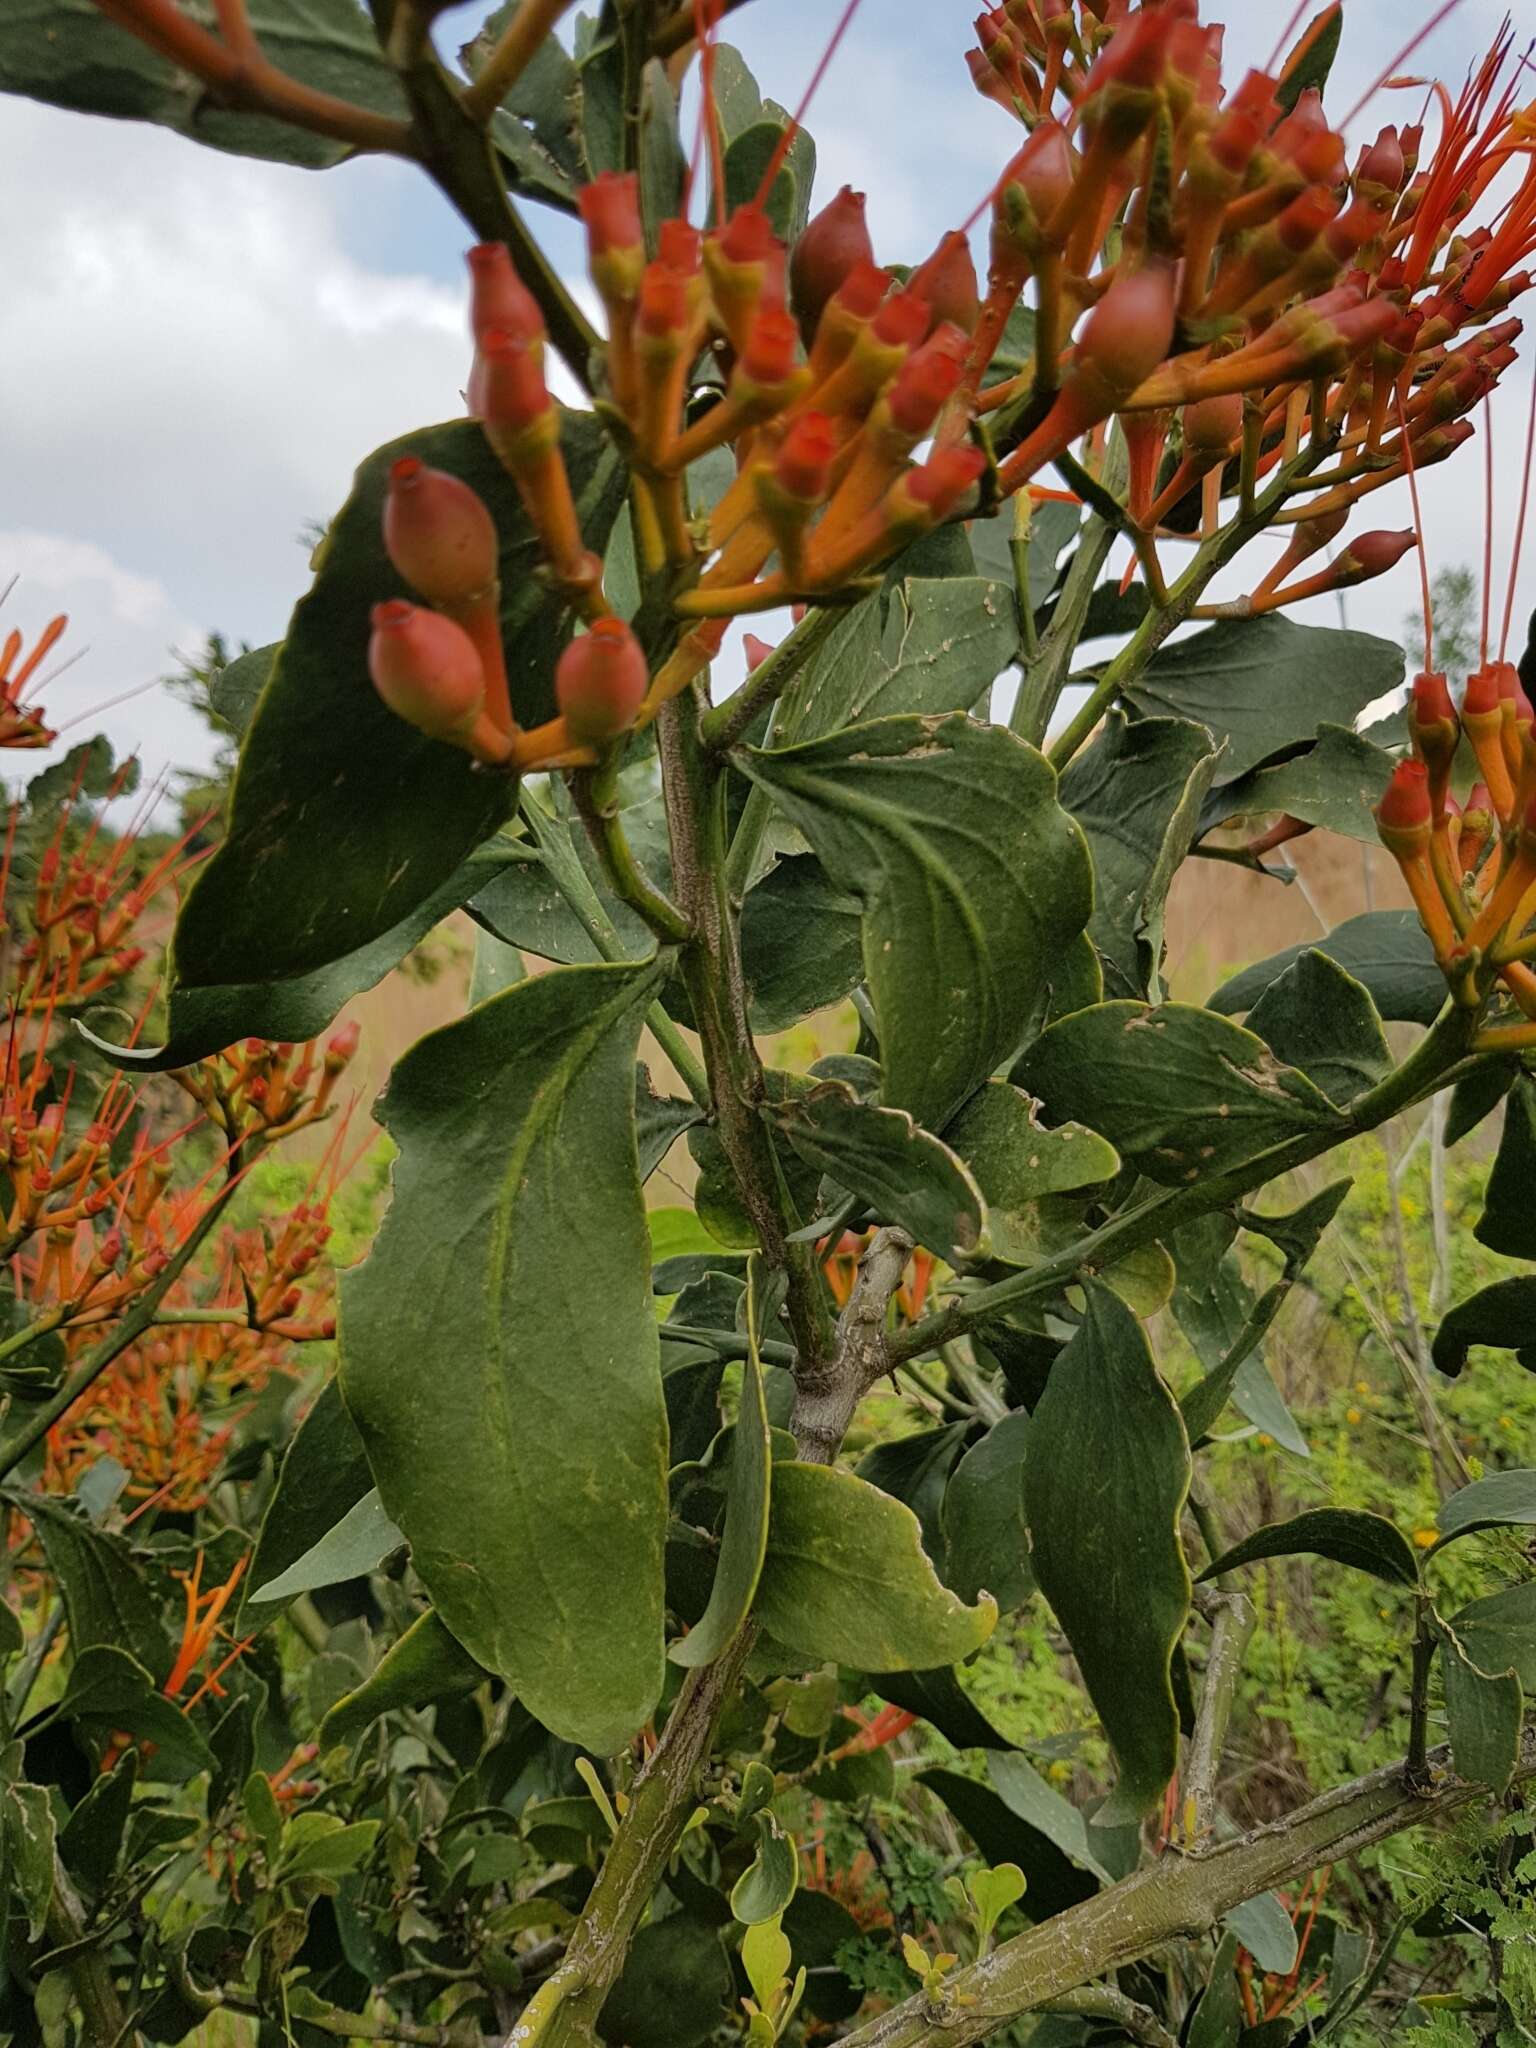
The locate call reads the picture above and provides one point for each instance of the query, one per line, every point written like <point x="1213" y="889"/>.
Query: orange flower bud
<point x="428" y="672"/>
<point x="438" y="533"/>
<point x="1404" y="817"/>
<point x="610" y="210"/>
<point x="498" y="297"/>
<point x="600" y="681"/>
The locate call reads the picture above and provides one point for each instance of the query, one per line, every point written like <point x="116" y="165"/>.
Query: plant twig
<point x="824" y="1402"/>
<point x="1231" y="1633"/>
<point x="728" y="722"/>
<point x="1100" y="2002"/>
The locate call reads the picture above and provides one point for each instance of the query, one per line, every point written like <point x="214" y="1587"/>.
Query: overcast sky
<point x="196" y="349"/>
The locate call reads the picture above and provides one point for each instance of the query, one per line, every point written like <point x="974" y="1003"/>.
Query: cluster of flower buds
<point x="268" y="1090"/>
<point x="24" y="725"/>
<point x="1470" y="867"/>
<point x="1205" y="266"/>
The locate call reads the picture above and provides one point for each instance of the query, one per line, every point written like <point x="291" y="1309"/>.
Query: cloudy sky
<point x="197" y="349"/>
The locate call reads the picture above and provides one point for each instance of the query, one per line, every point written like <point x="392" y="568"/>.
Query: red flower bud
<point x="757" y="651"/>
<point x="341" y="1047"/>
<point x="498" y="297"/>
<point x="1125" y="338"/>
<point x="861" y="292"/>
<point x="803" y="466"/>
<point x="601" y="680"/>
<point x="769" y="356"/>
<point x="438" y="533"/>
<point x="508" y="388"/>
<point x="678" y="246"/>
<point x="664" y="309"/>
<point x="1383" y="163"/>
<point x="610" y="211"/>
<point x="834" y="245"/>
<point x="426" y="669"/>
<point x="1212" y="427"/>
<point x="948" y="282"/>
<point x="1373" y="554"/>
<point x="944" y="479"/>
<point x="1435" y="730"/>
<point x="1403" y="817"/>
<point x="925" y="383"/>
<point x="902" y="321"/>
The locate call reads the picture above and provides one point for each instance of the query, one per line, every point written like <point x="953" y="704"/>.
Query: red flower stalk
<point x="428" y="672"/>
<point x="600" y="682"/>
<point x="1310" y="538"/>
<point x="916" y="503"/>
<point x="835" y="243"/>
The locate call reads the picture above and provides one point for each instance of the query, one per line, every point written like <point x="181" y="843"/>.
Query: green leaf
<point x="1508" y="1221"/>
<point x="1137" y="793"/>
<point x="927" y="645"/>
<point x="845" y="1577"/>
<point x="993" y="1892"/>
<point x="516" y="1238"/>
<point x="938" y="1698"/>
<point x="1386" y="950"/>
<point x="91" y="1843"/>
<point x="1024" y="1792"/>
<point x="765" y="1956"/>
<point x="1504" y="1500"/>
<point x="660" y="1120"/>
<point x="768" y="1883"/>
<point x="905" y="1174"/>
<point x="29" y="1852"/>
<point x="915" y="1470"/>
<point x="107" y="1597"/>
<point x="322" y="1845"/>
<point x="1336" y="784"/>
<point x="1264" y="684"/>
<point x="986" y="1539"/>
<point x="1485" y="1710"/>
<point x="359" y="1544"/>
<point x="1315" y="66"/>
<point x="1218" y="2018"/>
<point x="1498" y="1632"/>
<point x="323" y="1475"/>
<point x="973" y="879"/>
<point x="1053" y="1881"/>
<point x="1105" y="1477"/>
<point x="235" y="689"/>
<point x="747" y="158"/>
<point x="1477" y="1097"/>
<point x="349" y="816"/>
<point x="1267" y="1931"/>
<point x="1503" y="1317"/>
<point x="1365" y="1542"/>
<point x="111" y="1693"/>
<point x="1181" y="1092"/>
<point x="744" y="1541"/>
<point x="801" y="943"/>
<point x="674" y="1988"/>
<point x="1018" y="1164"/>
<point x="495" y="966"/>
<point x="1318" y="1018"/>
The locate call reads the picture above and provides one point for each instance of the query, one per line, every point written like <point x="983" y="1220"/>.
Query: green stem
<point x="1421" y="1074"/>
<point x="1416" y="1770"/>
<point x="1046" y="676"/>
<point x="1231" y="1633"/>
<point x="1100" y="2002"/>
<point x="104" y="2024"/>
<point x="728" y="722"/>
<point x="596" y="799"/>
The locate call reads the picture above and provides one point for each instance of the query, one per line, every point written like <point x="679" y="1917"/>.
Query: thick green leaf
<point x="986" y="1539"/>
<point x="660" y="1120"/>
<point x="91" y="1842"/>
<point x="324" y="1845"/>
<point x="1477" y="1097"/>
<point x="769" y="1881"/>
<point x="1367" y="1543"/>
<point x="1337" y="784"/>
<point x="1318" y="1018"/>
<point x="1508" y="1221"/>
<point x="1387" y="950"/>
<point x="1267" y="1931"/>
<point x="1022" y="1789"/>
<point x="344" y="819"/>
<point x="107" y="1597"/>
<point x="1498" y="1632"/>
<point x="1226" y="1323"/>
<point x="499" y="1351"/>
<point x="747" y="159"/>
<point x="1053" y="1881"/>
<point x="1018" y="1164"/>
<point x="358" y="1544"/>
<point x="973" y="879"/>
<point x="801" y="943"/>
<point x="674" y="1990"/>
<point x="744" y="1540"/>
<point x="1218" y="2018"/>
<point x="1504" y="1500"/>
<point x="927" y="645"/>
<point x="1105" y="1477"/>
<point x="904" y="1173"/>
<point x="1484" y="1710"/>
<point x="425" y="1665"/>
<point x="527" y="904"/>
<point x="1265" y="684"/>
<point x="235" y="690"/>
<point x="1315" y="65"/>
<point x="1503" y="1317"/>
<point x="1137" y="793"/>
<point x="29" y="1851"/>
<point x="109" y="1692"/>
<point x="1181" y="1092"/>
<point x="845" y="1577"/>
<point x="938" y="1698"/>
<point x="324" y="1473"/>
<point x="915" y="1470"/>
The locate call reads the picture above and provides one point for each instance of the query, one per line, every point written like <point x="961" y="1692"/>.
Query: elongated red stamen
<point x="1525" y="505"/>
<point x="1413" y="488"/>
<point x="786" y="141"/>
<point x="1441" y="14"/>
<point x="1487" y="523"/>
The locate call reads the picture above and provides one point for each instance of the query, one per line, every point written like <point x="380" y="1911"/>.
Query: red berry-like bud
<point x="664" y="310"/>
<point x="769" y="356"/>
<point x="1373" y="554"/>
<point x="944" y="479"/>
<point x="948" y="282"/>
<point x="601" y="680"/>
<point x="1403" y="817"/>
<point x="610" y="211"/>
<point x="426" y="669"/>
<point x="834" y="245"/>
<point x="1126" y="336"/>
<point x="925" y="383"/>
<point x="1383" y="163"/>
<point x="438" y="533"/>
<point x="342" y="1044"/>
<point x="498" y="297"/>
<point x="1212" y="426"/>
<point x="1044" y="170"/>
<point x="902" y="321"/>
<point x="508" y="388"/>
<point x="803" y="467"/>
<point x="678" y="246"/>
<point x="757" y="651"/>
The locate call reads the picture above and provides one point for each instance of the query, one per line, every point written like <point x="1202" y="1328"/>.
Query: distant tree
<point x="1456" y="598"/>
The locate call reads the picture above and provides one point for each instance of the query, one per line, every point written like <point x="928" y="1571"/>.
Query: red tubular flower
<point x="744" y="262"/>
<point x="498" y="297"/>
<point x="1435" y="730"/>
<point x="600" y="682"/>
<point x="925" y="383"/>
<point x="834" y="245"/>
<point x="523" y="427"/>
<point x="947" y="280"/>
<point x="438" y="533"/>
<point x="610" y="211"/>
<point x="428" y="672"/>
